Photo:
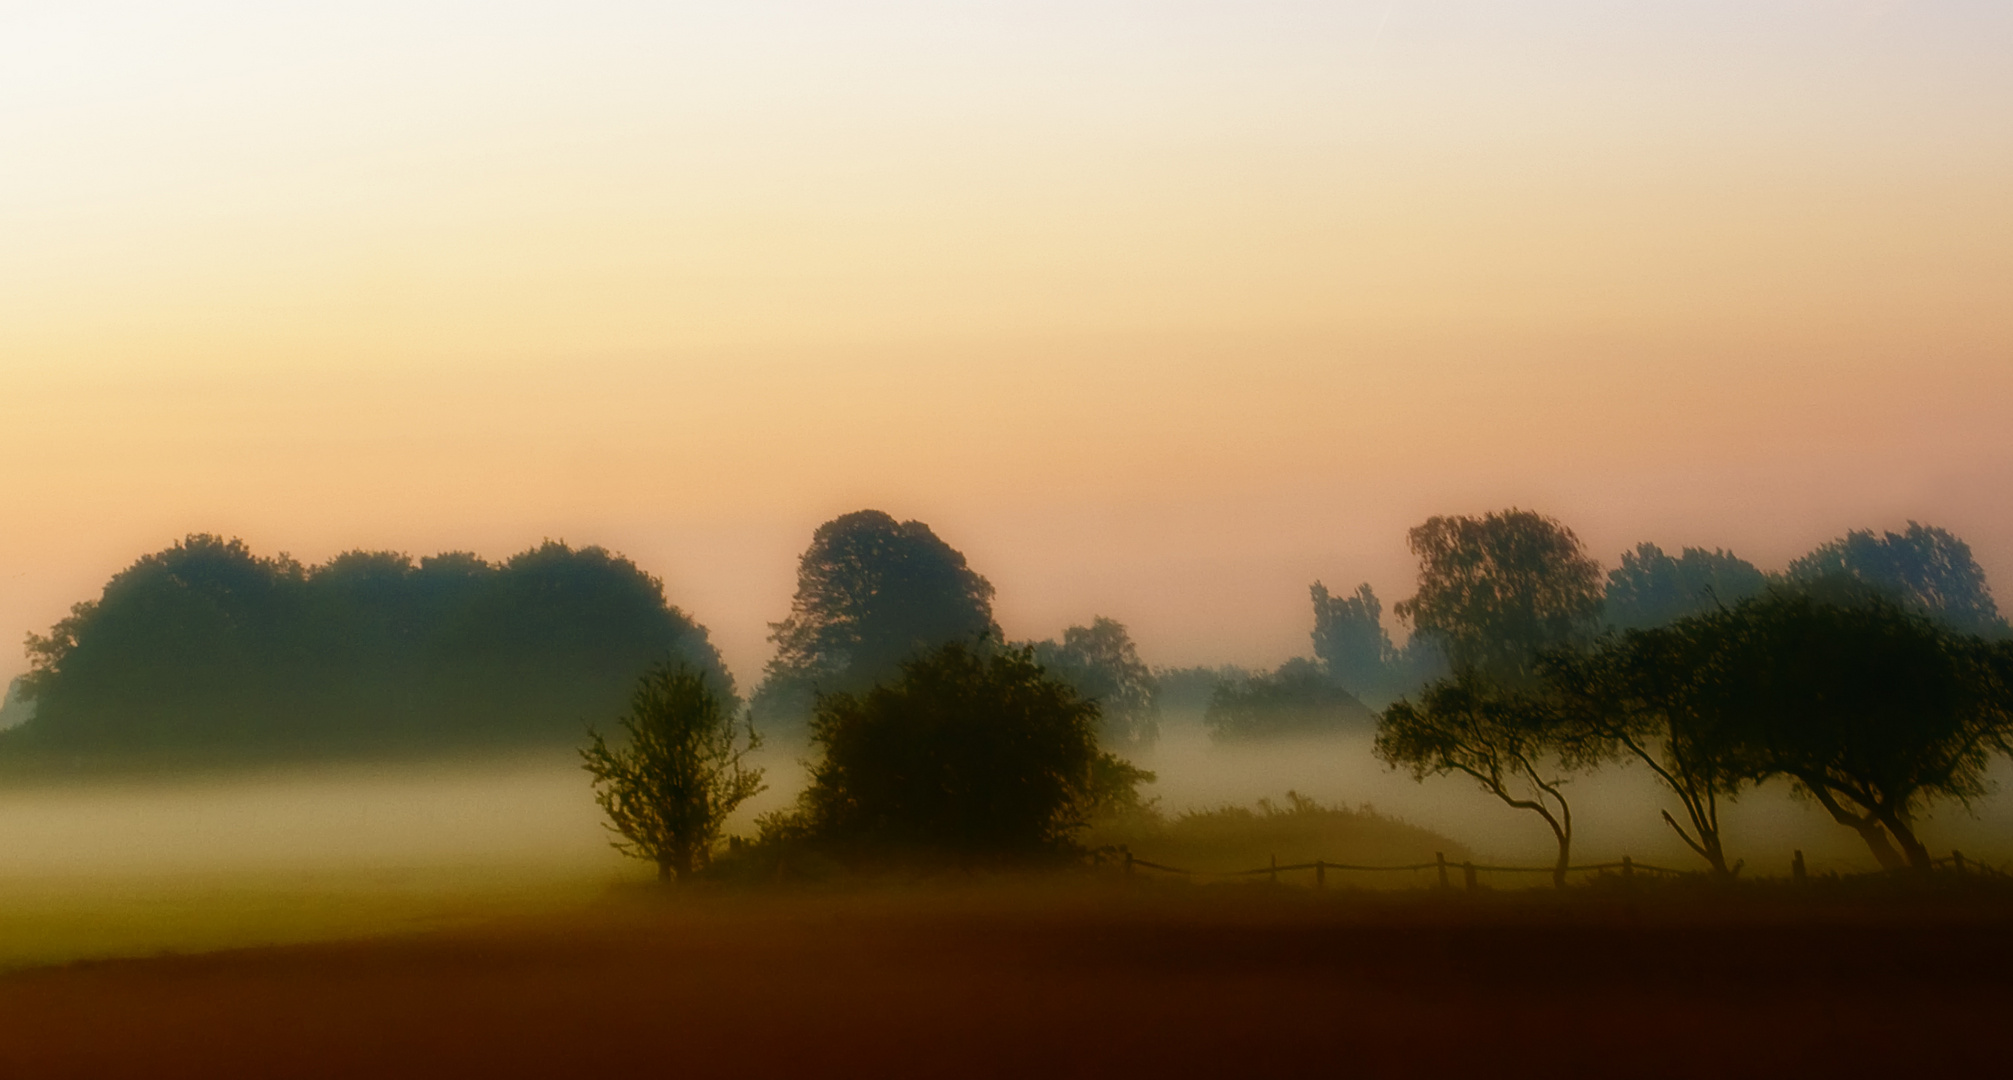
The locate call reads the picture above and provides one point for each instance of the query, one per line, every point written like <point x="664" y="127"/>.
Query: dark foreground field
<point x="1084" y="979"/>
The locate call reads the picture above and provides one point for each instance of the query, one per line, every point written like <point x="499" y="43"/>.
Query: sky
<point x="1159" y="311"/>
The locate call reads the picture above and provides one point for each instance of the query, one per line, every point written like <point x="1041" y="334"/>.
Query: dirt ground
<point x="1007" y="979"/>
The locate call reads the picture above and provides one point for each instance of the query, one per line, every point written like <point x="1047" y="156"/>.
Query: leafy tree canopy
<point x="1874" y="710"/>
<point x="871" y="592"/>
<point x="1924" y="568"/>
<point x="1497" y="591"/>
<point x="1651" y="588"/>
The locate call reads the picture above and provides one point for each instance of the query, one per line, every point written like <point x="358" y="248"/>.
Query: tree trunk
<point x="1565" y="860"/>
<point x="1904" y="834"/>
<point x="664" y="871"/>
<point x="1868" y="828"/>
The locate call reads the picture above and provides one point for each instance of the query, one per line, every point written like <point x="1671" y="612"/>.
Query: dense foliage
<point x="1651" y="588"/>
<point x="208" y="649"/>
<point x="871" y="592"/>
<point x="668" y="787"/>
<point x="1923" y="568"/>
<point x="971" y="752"/>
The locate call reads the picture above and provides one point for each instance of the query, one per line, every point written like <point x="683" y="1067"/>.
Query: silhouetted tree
<point x="1297" y="699"/>
<point x="1497" y="591"/>
<point x="1924" y="569"/>
<point x="1349" y="638"/>
<point x="1651" y="589"/>
<point x="667" y="790"/>
<point x="1643" y="694"/>
<point x="871" y="592"/>
<point x="1102" y="662"/>
<point x="1519" y="745"/>
<point x="971" y="751"/>
<point x="1873" y="710"/>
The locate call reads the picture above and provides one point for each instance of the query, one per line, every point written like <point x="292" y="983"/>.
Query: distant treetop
<point x="871" y="593"/>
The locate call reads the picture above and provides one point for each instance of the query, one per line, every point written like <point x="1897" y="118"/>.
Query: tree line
<point x="1875" y="677"/>
<point x="207" y="649"/>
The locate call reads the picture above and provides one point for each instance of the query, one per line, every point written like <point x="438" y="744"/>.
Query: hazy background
<point x="1156" y="310"/>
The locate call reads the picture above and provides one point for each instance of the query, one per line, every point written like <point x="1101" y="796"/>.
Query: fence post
<point x="1320" y="874"/>
<point x="1957" y="861"/>
<point x="1628" y="868"/>
<point x="1128" y="864"/>
<point x="1273" y="877"/>
<point x="1441" y="858"/>
<point x="1468" y="876"/>
<point x="1796" y="867"/>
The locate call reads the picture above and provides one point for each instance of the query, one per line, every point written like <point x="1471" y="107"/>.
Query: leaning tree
<point x="1518" y="744"/>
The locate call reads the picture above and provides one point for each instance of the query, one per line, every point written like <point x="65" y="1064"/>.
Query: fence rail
<point x="1626" y="866"/>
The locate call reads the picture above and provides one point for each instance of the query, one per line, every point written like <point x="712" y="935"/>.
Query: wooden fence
<point x="1471" y="871"/>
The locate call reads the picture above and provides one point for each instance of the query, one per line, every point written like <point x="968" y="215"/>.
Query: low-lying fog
<point x="535" y="818"/>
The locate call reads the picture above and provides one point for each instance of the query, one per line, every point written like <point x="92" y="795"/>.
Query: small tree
<point x="669" y="790"/>
<point x="1516" y="744"/>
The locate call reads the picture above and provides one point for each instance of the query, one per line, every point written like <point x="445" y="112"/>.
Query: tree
<point x="1651" y="589"/>
<point x="1924" y="569"/>
<point x="1102" y="662"/>
<point x="1497" y="591"/>
<point x="1873" y="710"/>
<point x="668" y="790"/>
<point x="973" y="752"/>
<point x="1349" y="638"/>
<point x="1641" y="694"/>
<point x="1297" y="699"/>
<point x="1517" y="744"/>
<point x="871" y="592"/>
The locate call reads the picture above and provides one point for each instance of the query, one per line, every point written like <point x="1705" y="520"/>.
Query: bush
<point x="974" y="752"/>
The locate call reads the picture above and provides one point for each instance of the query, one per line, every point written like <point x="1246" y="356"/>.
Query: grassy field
<point x="1076" y="976"/>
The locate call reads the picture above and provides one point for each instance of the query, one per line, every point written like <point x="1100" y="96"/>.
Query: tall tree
<point x="1497" y="591"/>
<point x="871" y="592"/>
<point x="1350" y="640"/>
<point x="668" y="787"/>
<point x="1923" y="568"/>
<point x="1650" y="588"/>
<point x="1102" y="662"/>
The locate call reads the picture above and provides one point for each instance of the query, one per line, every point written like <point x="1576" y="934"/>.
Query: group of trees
<point x="1875" y="677"/>
<point x="970" y="752"/>
<point x="207" y="648"/>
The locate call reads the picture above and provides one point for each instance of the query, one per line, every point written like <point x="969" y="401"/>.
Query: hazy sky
<point x="1156" y="310"/>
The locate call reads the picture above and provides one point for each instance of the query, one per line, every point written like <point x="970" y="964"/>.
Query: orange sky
<point x="1157" y="311"/>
